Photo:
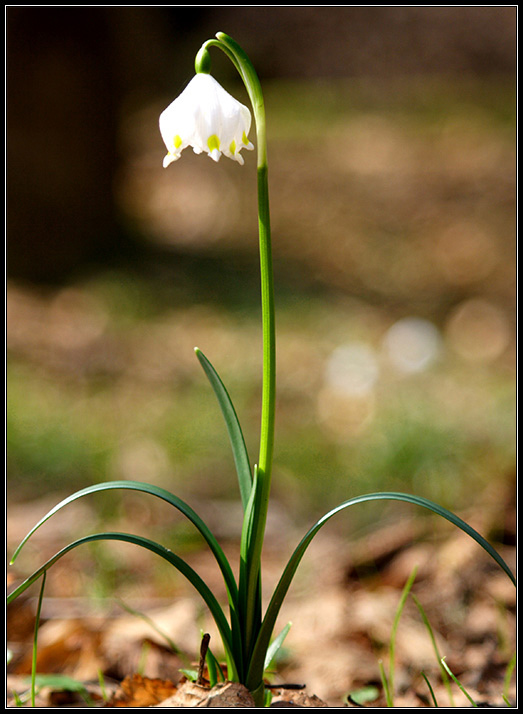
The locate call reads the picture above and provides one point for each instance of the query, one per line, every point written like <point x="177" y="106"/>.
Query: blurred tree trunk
<point x="61" y="157"/>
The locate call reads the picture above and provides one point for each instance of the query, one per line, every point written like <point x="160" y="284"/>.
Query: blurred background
<point x="392" y="175"/>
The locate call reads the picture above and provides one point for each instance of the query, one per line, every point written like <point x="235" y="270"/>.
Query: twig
<point x="285" y="686"/>
<point x="203" y="654"/>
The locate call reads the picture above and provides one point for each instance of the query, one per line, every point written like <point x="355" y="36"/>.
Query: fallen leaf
<point x="138" y="691"/>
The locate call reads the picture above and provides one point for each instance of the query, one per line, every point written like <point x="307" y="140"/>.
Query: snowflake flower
<point x="207" y="118"/>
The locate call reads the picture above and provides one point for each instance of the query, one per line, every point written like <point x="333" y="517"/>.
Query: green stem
<point x="248" y="74"/>
<point x="252" y="84"/>
<point x="268" y="409"/>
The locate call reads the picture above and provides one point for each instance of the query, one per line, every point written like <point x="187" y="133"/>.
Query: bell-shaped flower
<point x="207" y="118"/>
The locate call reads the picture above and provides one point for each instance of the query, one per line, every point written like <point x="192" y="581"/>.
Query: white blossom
<point x="207" y="118"/>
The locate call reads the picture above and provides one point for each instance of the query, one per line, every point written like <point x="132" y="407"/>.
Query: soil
<point x="342" y="607"/>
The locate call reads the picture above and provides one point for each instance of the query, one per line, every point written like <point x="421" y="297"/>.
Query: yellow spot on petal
<point x="177" y="141"/>
<point x="245" y="139"/>
<point x="232" y="147"/>
<point x="213" y="142"/>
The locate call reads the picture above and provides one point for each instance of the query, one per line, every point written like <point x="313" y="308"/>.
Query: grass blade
<point x="35" y="642"/>
<point x="256" y="666"/>
<point x="101" y="684"/>
<point x="385" y="684"/>
<point x="508" y="675"/>
<point x="430" y="689"/>
<point x="241" y="458"/>
<point x="444" y="675"/>
<point x="392" y="646"/>
<point x="458" y="682"/>
<point x="173" y="559"/>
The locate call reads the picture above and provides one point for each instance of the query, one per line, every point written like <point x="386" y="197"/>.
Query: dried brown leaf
<point x="138" y="691"/>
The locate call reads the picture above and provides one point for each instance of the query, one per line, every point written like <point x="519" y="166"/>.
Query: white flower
<point x="207" y="118"/>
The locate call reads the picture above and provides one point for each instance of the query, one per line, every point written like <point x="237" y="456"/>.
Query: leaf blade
<point x="183" y="567"/>
<point x="256" y="669"/>
<point x="276" y="645"/>
<point x="239" y="449"/>
<point x="152" y="490"/>
<point x="223" y="563"/>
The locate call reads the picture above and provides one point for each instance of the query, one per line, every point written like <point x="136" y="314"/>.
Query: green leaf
<point x="275" y="646"/>
<point x="161" y="493"/>
<point x="241" y="458"/>
<point x="191" y="674"/>
<point x="267" y="699"/>
<point x="256" y="666"/>
<point x="214" y="669"/>
<point x="169" y="556"/>
<point x="246" y="544"/>
<point x="363" y="696"/>
<point x="230" y="582"/>
<point x="250" y="577"/>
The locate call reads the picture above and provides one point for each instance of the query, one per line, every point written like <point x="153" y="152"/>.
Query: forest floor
<point x="342" y="607"/>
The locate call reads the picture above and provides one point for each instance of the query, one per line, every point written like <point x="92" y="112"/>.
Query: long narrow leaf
<point x="165" y="496"/>
<point x="223" y="563"/>
<point x="169" y="556"/>
<point x="250" y="575"/>
<point x="257" y="660"/>
<point x="241" y="458"/>
<point x="245" y="543"/>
